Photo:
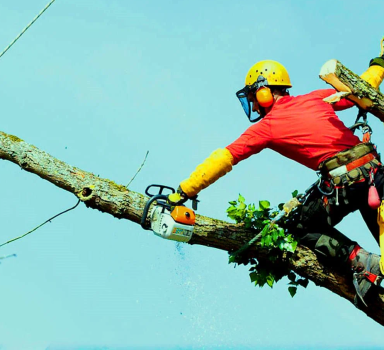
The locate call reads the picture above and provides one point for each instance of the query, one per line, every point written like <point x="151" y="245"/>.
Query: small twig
<point x="27" y="27"/>
<point x="53" y="217"/>
<point x="7" y="256"/>
<point x="138" y="170"/>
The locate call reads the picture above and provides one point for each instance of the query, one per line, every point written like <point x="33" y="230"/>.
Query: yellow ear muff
<point x="264" y="97"/>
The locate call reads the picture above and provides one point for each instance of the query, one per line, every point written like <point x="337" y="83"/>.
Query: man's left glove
<point x="374" y="75"/>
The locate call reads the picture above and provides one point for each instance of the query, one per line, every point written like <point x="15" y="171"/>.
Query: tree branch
<point x="352" y="87"/>
<point x="109" y="197"/>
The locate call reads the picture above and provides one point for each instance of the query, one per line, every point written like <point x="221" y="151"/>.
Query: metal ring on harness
<point x="363" y="125"/>
<point x="318" y="185"/>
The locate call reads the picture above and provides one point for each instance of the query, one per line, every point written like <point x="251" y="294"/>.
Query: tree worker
<point x="307" y="130"/>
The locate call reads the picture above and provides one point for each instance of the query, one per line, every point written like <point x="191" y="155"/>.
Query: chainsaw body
<point x="174" y="223"/>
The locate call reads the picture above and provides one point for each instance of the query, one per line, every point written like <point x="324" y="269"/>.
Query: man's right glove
<point x="215" y="166"/>
<point x="177" y="198"/>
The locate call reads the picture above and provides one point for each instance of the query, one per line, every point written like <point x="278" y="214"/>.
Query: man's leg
<point x="332" y="246"/>
<point x="315" y="228"/>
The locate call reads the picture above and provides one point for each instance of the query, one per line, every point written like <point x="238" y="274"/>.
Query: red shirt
<point x="303" y="128"/>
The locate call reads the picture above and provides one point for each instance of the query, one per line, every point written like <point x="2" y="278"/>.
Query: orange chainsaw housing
<point x="183" y="215"/>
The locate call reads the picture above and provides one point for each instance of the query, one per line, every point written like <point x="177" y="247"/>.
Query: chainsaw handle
<point x="160" y="191"/>
<point x="147" y="206"/>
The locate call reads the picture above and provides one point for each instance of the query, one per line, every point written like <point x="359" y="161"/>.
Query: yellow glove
<point x="380" y="221"/>
<point x="215" y="166"/>
<point x="178" y="198"/>
<point x="374" y="75"/>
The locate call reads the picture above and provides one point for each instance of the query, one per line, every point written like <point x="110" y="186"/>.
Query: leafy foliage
<point x="272" y="237"/>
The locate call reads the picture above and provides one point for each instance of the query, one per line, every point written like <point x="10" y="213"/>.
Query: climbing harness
<point x="357" y="164"/>
<point x="27" y="27"/>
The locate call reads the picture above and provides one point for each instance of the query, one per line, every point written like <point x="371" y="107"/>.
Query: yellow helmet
<point x="262" y="75"/>
<point x="274" y="72"/>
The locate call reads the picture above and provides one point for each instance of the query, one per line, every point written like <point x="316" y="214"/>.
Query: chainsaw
<point x="170" y="222"/>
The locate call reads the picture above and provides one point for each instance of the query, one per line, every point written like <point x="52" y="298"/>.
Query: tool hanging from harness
<point x="357" y="164"/>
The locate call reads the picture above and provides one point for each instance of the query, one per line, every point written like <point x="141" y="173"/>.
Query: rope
<point x="25" y="234"/>
<point x="26" y="28"/>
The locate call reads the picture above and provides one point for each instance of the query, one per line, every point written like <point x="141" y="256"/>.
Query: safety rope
<point x="49" y="220"/>
<point x="27" y="27"/>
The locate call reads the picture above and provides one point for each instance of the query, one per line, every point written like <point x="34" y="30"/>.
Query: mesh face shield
<point x="243" y="94"/>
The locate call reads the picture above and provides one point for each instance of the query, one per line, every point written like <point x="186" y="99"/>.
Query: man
<point x="307" y="130"/>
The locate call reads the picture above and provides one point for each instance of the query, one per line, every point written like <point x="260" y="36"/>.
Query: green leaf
<point x="242" y="206"/>
<point x="303" y="282"/>
<point x="272" y="236"/>
<point x="270" y="280"/>
<point x="264" y="205"/>
<point x="292" y="276"/>
<point x="232" y="259"/>
<point x="289" y="247"/>
<point x="294" y="246"/>
<point x="247" y="223"/>
<point x="268" y="240"/>
<point x="292" y="291"/>
<point x="253" y="276"/>
<point x="275" y="235"/>
<point x="295" y="193"/>
<point x="281" y="244"/>
<point x="265" y="230"/>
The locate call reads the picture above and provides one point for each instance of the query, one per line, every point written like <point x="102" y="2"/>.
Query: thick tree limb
<point x="117" y="200"/>
<point x="352" y="87"/>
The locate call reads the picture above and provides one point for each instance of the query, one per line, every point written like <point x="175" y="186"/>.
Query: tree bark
<point x="109" y="197"/>
<point x="350" y="85"/>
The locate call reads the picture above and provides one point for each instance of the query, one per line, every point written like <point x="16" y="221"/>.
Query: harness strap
<point x="347" y="156"/>
<point x="343" y="169"/>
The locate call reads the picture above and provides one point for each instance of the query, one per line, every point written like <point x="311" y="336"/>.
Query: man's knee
<point x="335" y="247"/>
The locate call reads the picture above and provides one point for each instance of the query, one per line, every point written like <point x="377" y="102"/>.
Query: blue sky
<point x="97" y="84"/>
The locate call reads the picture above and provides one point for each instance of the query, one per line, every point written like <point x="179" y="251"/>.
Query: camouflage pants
<point x="318" y="216"/>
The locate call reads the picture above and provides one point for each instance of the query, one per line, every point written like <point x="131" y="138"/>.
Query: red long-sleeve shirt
<point x="303" y="128"/>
